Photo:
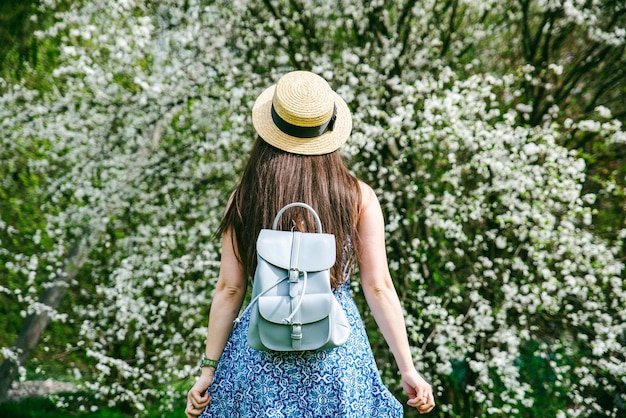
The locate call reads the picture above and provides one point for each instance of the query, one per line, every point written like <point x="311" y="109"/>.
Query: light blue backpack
<point x="293" y="307"/>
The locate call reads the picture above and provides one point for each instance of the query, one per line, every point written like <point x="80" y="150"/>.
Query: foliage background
<point x="492" y="132"/>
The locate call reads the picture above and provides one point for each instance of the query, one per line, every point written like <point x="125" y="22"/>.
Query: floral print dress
<point x="340" y="382"/>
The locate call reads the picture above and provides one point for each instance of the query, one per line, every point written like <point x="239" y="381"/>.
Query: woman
<point x="301" y="123"/>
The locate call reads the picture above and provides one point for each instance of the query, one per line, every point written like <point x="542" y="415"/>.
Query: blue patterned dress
<point x="340" y="382"/>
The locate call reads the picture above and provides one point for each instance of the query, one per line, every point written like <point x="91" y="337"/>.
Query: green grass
<point x="36" y="407"/>
<point x="44" y="408"/>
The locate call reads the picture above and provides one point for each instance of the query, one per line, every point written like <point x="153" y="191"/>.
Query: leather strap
<point x="253" y="301"/>
<point x="295" y="289"/>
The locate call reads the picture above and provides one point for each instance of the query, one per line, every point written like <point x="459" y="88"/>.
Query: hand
<point x="419" y="391"/>
<point x="197" y="397"/>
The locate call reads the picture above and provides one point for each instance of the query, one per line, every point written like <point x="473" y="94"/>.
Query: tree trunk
<point x="36" y="323"/>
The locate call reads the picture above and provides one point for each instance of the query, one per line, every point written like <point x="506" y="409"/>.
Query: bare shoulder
<point x="367" y="195"/>
<point x="371" y="212"/>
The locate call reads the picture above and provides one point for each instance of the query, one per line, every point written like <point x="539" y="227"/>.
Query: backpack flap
<point x="315" y="328"/>
<point x="314" y="308"/>
<point x="317" y="251"/>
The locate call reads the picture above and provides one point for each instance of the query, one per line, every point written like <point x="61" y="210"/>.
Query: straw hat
<point x="301" y="114"/>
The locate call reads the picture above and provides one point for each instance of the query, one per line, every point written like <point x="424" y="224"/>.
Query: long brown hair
<point x="273" y="178"/>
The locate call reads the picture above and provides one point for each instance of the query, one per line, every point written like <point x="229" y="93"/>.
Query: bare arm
<point x="229" y="294"/>
<point x="383" y="300"/>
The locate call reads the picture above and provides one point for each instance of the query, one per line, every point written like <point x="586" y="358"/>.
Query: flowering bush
<point x="514" y="301"/>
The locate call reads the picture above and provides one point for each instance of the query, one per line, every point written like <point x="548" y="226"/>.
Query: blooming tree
<point x="514" y="300"/>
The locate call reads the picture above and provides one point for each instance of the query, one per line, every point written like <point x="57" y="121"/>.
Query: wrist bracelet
<point x="207" y="362"/>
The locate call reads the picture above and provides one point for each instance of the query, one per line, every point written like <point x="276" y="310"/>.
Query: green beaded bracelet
<point x="207" y="362"/>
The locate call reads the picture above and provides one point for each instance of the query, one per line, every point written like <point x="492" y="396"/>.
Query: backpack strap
<point x="253" y="301"/>
<point x="295" y="289"/>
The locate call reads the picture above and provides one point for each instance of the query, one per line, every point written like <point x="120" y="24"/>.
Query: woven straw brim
<point x="323" y="144"/>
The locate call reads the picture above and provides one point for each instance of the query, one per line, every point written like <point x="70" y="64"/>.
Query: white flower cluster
<point x="499" y="212"/>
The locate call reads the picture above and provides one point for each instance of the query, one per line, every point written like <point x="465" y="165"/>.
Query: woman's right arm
<point x="383" y="300"/>
<point x="230" y="291"/>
